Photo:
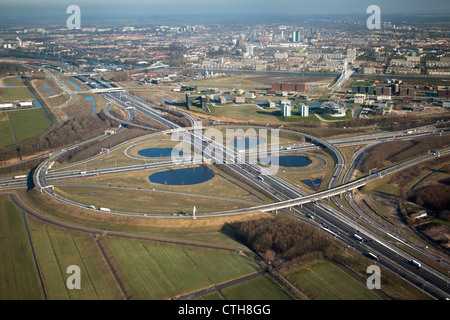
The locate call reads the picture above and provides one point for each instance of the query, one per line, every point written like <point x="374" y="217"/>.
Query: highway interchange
<point x="290" y="199"/>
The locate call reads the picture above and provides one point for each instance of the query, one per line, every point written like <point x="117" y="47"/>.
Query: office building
<point x="303" y="110"/>
<point x="298" y="87"/>
<point x="286" y="108"/>
<point x="351" y="55"/>
<point x="296" y="36"/>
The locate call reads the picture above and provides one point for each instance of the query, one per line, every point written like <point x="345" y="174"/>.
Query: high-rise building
<point x="351" y="55"/>
<point x="286" y="108"/>
<point x="249" y="51"/>
<point x="303" y="110"/>
<point x="296" y="36"/>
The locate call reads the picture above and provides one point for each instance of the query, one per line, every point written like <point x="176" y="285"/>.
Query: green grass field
<point x="261" y="288"/>
<point x="29" y="123"/>
<point x="18" y="274"/>
<point x="13" y="81"/>
<point x="161" y="271"/>
<point x="324" y="281"/>
<point x="6" y="135"/>
<point x="148" y="270"/>
<point x="11" y="94"/>
<point x="146" y="202"/>
<point x="210" y="296"/>
<point x="56" y="249"/>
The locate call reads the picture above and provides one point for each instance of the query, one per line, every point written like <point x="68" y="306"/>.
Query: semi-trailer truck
<point x="375" y="257"/>
<point x="357" y="237"/>
<point x="105" y="209"/>
<point x="416" y="263"/>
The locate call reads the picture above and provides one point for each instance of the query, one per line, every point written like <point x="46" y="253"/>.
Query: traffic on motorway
<point x="290" y="198"/>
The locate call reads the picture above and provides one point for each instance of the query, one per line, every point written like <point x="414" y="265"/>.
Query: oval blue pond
<point x="288" y="161"/>
<point x="185" y="176"/>
<point x="157" y="152"/>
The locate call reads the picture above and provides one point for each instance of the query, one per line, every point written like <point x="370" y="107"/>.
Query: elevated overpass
<point x="107" y="90"/>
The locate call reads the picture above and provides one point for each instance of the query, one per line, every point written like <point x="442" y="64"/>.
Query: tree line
<point x="6" y="68"/>
<point x="280" y="238"/>
<point x="78" y="129"/>
<point x="435" y="197"/>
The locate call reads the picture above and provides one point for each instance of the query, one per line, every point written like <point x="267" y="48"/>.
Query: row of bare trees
<point x="7" y="68"/>
<point x="281" y="236"/>
<point x="435" y="197"/>
<point x="78" y="129"/>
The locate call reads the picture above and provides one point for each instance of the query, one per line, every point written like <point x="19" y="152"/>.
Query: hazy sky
<point x="30" y="8"/>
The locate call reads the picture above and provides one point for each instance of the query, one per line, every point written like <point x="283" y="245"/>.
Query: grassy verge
<point x="206" y="230"/>
<point x="324" y="281"/>
<point x="6" y="135"/>
<point x="261" y="288"/>
<point x="146" y="202"/>
<point x="18" y="275"/>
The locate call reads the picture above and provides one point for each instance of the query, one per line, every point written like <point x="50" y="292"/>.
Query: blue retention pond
<point x="290" y="161"/>
<point x="74" y="85"/>
<point x="158" y="152"/>
<point x="93" y="103"/>
<point x="185" y="176"/>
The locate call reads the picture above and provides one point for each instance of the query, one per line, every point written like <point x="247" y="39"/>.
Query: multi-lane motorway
<point x="289" y="197"/>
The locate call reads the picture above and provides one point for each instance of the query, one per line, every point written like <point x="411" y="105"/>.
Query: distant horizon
<point x="117" y="9"/>
<point x="204" y="18"/>
<point x="109" y="13"/>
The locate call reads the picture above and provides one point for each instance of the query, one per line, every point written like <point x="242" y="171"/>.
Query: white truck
<point x="357" y="237"/>
<point x="373" y="256"/>
<point x="105" y="209"/>
<point x="416" y="263"/>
